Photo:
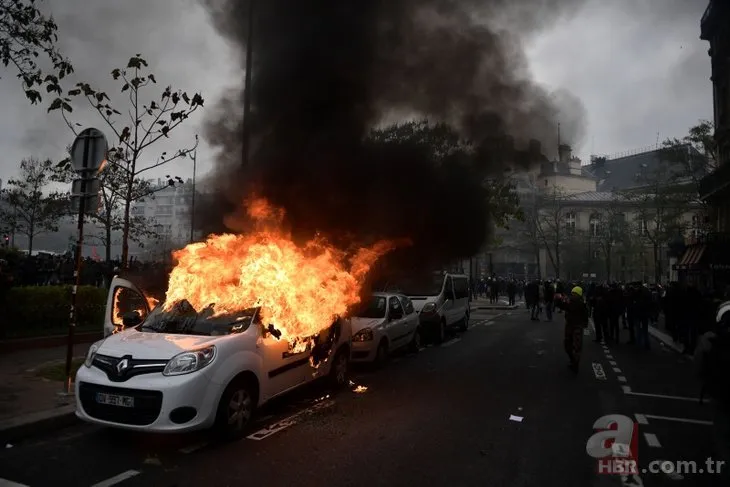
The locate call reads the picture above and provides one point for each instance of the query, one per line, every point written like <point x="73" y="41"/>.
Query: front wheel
<point x="339" y="373"/>
<point x="415" y="344"/>
<point x="441" y="332"/>
<point x="235" y="410"/>
<point x="464" y="323"/>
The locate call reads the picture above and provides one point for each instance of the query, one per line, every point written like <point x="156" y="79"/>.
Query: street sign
<point x="85" y="187"/>
<point x="88" y="151"/>
<point x="91" y="205"/>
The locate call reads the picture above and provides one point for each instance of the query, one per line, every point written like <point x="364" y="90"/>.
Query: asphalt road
<point x="437" y="418"/>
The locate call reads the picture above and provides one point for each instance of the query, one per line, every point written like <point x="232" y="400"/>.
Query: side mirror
<point x="132" y="318"/>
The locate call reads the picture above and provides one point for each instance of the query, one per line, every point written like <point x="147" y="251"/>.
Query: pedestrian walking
<point x="576" y="321"/>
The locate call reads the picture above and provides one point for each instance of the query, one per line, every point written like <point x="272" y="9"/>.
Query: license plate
<point x="115" y="400"/>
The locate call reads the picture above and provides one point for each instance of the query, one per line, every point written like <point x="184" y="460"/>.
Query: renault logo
<point x="122" y="365"/>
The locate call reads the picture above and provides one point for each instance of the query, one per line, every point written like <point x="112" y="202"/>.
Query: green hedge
<point x="44" y="310"/>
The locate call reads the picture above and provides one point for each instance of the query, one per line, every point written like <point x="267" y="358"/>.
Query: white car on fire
<point x="385" y="323"/>
<point x="183" y="371"/>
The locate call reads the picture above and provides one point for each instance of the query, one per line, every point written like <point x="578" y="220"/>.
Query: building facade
<point x="168" y="213"/>
<point x="569" y="207"/>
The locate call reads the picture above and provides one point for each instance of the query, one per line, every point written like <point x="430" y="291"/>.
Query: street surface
<point x="437" y="418"/>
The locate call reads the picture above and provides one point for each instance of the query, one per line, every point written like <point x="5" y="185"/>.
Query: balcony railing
<point x="714" y="182"/>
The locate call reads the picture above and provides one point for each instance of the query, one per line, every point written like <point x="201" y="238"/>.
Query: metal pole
<point x="247" y="89"/>
<point x="73" y="315"/>
<point x="192" y="203"/>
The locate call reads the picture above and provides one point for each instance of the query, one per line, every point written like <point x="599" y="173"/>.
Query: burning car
<point x="175" y="368"/>
<point x="385" y="323"/>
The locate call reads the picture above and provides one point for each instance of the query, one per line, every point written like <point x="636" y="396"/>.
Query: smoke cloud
<point x="327" y="71"/>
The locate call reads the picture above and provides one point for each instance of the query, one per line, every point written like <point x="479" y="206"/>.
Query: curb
<point x="665" y="339"/>
<point x="21" y="427"/>
<point x="497" y="308"/>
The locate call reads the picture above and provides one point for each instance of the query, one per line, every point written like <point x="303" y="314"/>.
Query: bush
<point x="44" y="310"/>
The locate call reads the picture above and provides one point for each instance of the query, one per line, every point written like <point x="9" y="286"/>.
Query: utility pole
<point x="192" y="201"/>
<point x="247" y="89"/>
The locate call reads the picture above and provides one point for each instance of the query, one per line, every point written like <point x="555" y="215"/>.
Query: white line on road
<point x="489" y="323"/>
<point x="451" y="342"/>
<point x="617" y="370"/>
<point x="679" y="420"/>
<point x="641" y="419"/>
<point x="286" y="422"/>
<point x="598" y="371"/>
<point x="652" y="440"/>
<point x="621" y="378"/>
<point x="609" y="357"/>
<point x="117" y="479"/>
<point x="627" y="390"/>
<point x="10" y="483"/>
<point x="612" y="362"/>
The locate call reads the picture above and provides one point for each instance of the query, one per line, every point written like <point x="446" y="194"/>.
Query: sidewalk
<point x="30" y="403"/>
<point x="485" y="303"/>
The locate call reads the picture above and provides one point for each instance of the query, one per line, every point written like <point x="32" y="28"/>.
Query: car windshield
<point x="374" y="308"/>
<point x="428" y="285"/>
<point x="182" y="319"/>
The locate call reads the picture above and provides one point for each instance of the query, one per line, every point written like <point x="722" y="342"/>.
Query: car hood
<point x="362" y="323"/>
<point x="145" y="345"/>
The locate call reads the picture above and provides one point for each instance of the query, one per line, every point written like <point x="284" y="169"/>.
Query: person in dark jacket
<point x="576" y="321"/>
<point x="615" y="302"/>
<point x="549" y="298"/>
<point x="600" y="313"/>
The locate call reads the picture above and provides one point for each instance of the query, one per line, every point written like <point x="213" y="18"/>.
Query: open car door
<point x="123" y="299"/>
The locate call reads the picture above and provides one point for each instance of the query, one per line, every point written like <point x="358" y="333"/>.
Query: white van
<point x="441" y="300"/>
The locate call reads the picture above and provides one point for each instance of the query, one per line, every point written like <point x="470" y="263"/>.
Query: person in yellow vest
<point x="576" y="321"/>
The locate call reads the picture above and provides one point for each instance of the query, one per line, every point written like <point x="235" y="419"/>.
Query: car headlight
<point x="188" y="362"/>
<point x="429" y="308"/>
<point x="364" y="335"/>
<point x="91" y="354"/>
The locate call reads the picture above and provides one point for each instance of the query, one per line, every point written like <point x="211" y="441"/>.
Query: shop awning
<point x="692" y="258"/>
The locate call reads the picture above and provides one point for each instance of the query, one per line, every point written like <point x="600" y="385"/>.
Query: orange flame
<point x="300" y="289"/>
<point x="117" y="314"/>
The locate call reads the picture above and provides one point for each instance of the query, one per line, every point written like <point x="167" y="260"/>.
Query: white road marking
<point x="652" y="440"/>
<point x="191" y="449"/>
<point x="117" y="479"/>
<point x="489" y="323"/>
<point x="641" y="419"/>
<point x="10" y="483"/>
<point x="286" y="422"/>
<point x="609" y="357"/>
<point x="621" y="378"/>
<point x="679" y="420"/>
<point x="598" y="371"/>
<point x="612" y="362"/>
<point x="451" y="342"/>
<point x="617" y="370"/>
<point x="627" y="390"/>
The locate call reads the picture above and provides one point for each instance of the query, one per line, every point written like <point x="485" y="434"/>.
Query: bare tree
<point x="26" y="208"/>
<point x="551" y="225"/>
<point x="148" y="123"/>
<point x="610" y="229"/>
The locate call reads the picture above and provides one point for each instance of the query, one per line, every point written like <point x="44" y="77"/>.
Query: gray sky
<point x="638" y="67"/>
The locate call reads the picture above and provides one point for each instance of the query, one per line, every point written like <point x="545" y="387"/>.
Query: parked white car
<point x="385" y="323"/>
<point x="167" y="373"/>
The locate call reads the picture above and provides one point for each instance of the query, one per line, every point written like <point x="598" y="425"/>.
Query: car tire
<point x="340" y="370"/>
<point x="464" y="323"/>
<point x="382" y="354"/>
<point x="441" y="332"/>
<point x="235" y="409"/>
<point x="415" y="344"/>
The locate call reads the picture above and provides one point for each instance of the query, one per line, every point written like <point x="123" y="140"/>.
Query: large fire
<point x="300" y="288"/>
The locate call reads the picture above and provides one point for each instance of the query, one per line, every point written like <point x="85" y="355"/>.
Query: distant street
<point x="437" y="418"/>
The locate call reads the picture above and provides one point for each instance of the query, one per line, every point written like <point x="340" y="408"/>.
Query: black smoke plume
<point x="326" y="72"/>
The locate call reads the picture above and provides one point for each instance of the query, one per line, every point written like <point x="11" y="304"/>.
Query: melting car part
<point x="274" y="332"/>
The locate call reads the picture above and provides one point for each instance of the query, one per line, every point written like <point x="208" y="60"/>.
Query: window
<point x="126" y="301"/>
<point x="596" y="254"/>
<point x="137" y="210"/>
<point x="396" y="309"/>
<point x="570" y="222"/>
<point x="546" y="182"/>
<point x="595" y="225"/>
<point x="644" y="227"/>
<point x="461" y="287"/>
<point x="407" y="304"/>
